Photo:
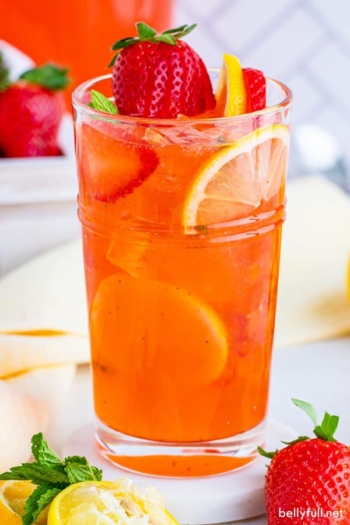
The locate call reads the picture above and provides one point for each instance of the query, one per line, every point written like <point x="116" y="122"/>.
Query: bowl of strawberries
<point x="38" y="183"/>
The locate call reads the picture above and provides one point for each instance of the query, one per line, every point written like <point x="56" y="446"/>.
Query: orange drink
<point x="181" y="232"/>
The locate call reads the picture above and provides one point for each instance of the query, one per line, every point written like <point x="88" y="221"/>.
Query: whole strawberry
<point x="308" y="482"/>
<point x="160" y="75"/>
<point x="31" y="111"/>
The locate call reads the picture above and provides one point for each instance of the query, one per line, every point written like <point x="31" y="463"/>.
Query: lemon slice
<point x="7" y="515"/>
<point x="231" y="98"/>
<point x="13" y="497"/>
<point x="107" y="502"/>
<point x="234" y="181"/>
<point x="186" y="334"/>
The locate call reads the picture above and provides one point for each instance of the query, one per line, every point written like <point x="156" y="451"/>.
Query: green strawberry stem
<point x="147" y="33"/>
<point x="48" y="76"/>
<point x="325" y="430"/>
<point x="4" y="74"/>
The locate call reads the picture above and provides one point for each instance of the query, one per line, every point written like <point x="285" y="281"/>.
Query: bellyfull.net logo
<point x="309" y="513"/>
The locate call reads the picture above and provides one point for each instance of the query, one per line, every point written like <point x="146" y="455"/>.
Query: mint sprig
<point x="49" y="76"/>
<point x="102" y="103"/>
<point x="147" y="33"/>
<point x="50" y="474"/>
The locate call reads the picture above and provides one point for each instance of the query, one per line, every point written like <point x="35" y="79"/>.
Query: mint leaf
<point x="79" y="469"/>
<point x="14" y="473"/>
<point x="102" y="103"/>
<point x="77" y="473"/>
<point x="42" y="453"/>
<point x="38" y="474"/>
<point x="49" y="76"/>
<point x="51" y="474"/>
<point x="39" y="499"/>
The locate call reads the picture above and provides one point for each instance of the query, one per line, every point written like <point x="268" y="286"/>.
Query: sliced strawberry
<point x="255" y="83"/>
<point x="160" y="76"/>
<point x="111" y="168"/>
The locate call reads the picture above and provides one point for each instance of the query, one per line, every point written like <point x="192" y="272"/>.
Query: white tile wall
<point x="304" y="43"/>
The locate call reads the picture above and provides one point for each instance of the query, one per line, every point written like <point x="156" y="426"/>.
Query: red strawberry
<point x="255" y="84"/>
<point x="111" y="165"/>
<point x="159" y="75"/>
<point x="31" y="110"/>
<point x="308" y="482"/>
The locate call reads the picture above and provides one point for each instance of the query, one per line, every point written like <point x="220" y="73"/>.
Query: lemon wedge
<point x="231" y="97"/>
<point x="107" y="502"/>
<point x="13" y="497"/>
<point x="235" y="180"/>
<point x="7" y="515"/>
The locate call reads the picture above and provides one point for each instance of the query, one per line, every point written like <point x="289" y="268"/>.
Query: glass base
<point x="179" y="460"/>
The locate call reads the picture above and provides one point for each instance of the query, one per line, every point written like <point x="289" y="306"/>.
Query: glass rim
<point x="127" y="119"/>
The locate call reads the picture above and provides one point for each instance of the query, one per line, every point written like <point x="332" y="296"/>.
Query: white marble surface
<point x="317" y="373"/>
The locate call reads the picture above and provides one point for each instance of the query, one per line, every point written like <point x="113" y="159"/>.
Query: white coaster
<point x="197" y="501"/>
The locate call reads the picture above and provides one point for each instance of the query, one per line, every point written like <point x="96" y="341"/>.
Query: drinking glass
<point x="181" y="223"/>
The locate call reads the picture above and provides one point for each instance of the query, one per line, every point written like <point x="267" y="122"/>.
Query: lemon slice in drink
<point x="231" y="97"/>
<point x="188" y="337"/>
<point x="234" y="181"/>
<point x="107" y="502"/>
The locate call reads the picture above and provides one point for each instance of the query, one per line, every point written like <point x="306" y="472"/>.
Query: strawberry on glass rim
<point x="160" y="75"/>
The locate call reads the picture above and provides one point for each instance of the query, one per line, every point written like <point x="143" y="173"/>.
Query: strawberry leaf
<point x="168" y="39"/>
<point x="48" y="76"/>
<point x="298" y="440"/>
<point x="145" y="32"/>
<point x="307" y="408"/>
<point x="148" y="34"/>
<point x="185" y="31"/>
<point x="266" y="454"/>
<point x="176" y="29"/>
<point x="327" y="428"/>
<point x="102" y="103"/>
<point x="124" y="42"/>
<point x="4" y="74"/>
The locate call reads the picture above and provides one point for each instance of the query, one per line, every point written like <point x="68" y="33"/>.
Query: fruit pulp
<point x="181" y="318"/>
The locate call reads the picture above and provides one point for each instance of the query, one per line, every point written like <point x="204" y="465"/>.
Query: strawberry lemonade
<point x="182" y="197"/>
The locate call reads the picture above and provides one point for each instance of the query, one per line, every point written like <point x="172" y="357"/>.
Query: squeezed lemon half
<point x="107" y="502"/>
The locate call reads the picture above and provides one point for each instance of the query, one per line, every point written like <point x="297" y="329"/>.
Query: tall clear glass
<point x="181" y="224"/>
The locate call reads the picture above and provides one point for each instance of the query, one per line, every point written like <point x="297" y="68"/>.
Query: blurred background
<point x="303" y="43"/>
